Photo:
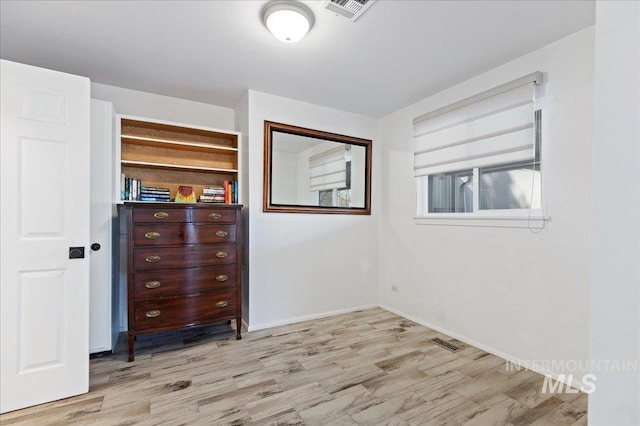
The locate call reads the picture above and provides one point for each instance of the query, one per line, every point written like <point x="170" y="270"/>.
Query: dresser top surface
<point x="173" y="205"/>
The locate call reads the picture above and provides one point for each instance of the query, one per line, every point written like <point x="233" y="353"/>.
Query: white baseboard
<point x="256" y="327"/>
<point x="493" y="351"/>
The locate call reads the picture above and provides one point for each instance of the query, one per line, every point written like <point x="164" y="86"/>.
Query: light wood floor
<point x="365" y="368"/>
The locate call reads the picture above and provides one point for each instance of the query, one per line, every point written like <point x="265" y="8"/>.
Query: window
<point x="451" y="192"/>
<point x="335" y="197"/>
<point x="338" y="197"/>
<point x="480" y="157"/>
<point x="507" y="187"/>
<point x="511" y="186"/>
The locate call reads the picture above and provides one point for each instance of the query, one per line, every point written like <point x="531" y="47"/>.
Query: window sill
<point x="535" y="221"/>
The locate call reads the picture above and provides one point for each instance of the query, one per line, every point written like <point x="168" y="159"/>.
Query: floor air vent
<point x="444" y="344"/>
<point x="350" y="9"/>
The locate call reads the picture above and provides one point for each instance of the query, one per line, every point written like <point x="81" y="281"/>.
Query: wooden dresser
<point x="184" y="264"/>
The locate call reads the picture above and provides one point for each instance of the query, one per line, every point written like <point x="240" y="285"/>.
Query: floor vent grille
<point x="444" y="344"/>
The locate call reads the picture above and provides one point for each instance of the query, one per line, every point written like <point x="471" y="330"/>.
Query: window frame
<point x="525" y="218"/>
<point x="508" y="218"/>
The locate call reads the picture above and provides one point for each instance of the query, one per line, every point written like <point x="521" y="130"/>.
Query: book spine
<point x="148" y="191"/>
<point x="127" y="188"/>
<point x="122" y="178"/>
<point x="153" y="188"/>
<point x="226" y="192"/>
<point x="154" y="199"/>
<point x="235" y="192"/>
<point x="164" y="197"/>
<point x="134" y="189"/>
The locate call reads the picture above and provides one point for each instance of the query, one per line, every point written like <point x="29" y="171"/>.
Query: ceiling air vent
<point x="350" y="9"/>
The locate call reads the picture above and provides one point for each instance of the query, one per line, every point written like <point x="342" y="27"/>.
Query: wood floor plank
<point x="361" y="368"/>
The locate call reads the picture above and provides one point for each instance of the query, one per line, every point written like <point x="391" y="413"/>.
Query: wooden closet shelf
<point x="176" y="144"/>
<point x="166" y="166"/>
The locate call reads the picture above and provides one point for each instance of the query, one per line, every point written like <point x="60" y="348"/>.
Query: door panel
<point x="41" y="186"/>
<point x="44" y="196"/>
<point x="40" y="320"/>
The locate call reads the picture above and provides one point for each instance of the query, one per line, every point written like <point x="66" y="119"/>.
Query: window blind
<point x="491" y="128"/>
<point x="328" y="169"/>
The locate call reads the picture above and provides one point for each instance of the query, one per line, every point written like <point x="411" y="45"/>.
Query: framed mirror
<point x="311" y="171"/>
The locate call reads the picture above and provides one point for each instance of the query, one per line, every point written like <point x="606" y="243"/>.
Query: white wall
<point x="150" y="105"/>
<point x="515" y="293"/>
<point x="307" y="265"/>
<point x="241" y="117"/>
<point x="615" y="287"/>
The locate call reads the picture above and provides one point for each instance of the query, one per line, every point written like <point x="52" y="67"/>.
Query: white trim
<point x="493" y="351"/>
<point x="509" y="220"/>
<point x="256" y="327"/>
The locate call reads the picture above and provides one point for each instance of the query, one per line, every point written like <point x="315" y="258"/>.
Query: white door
<point x="101" y="216"/>
<point x="44" y="196"/>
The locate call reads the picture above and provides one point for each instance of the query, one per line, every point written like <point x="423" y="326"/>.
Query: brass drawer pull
<point x="220" y="254"/>
<point x="152" y="235"/>
<point x="153" y="313"/>
<point x="221" y="304"/>
<point x="152" y="284"/>
<point x="152" y="259"/>
<point x="161" y="215"/>
<point x="215" y="216"/>
<point x="222" y="278"/>
<point x="222" y="233"/>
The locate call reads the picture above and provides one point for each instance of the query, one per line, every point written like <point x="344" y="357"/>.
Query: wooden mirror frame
<point x="268" y="206"/>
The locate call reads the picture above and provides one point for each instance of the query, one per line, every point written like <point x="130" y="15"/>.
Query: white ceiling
<point x="398" y="52"/>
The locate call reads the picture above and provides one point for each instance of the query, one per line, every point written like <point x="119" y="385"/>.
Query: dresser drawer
<point x="213" y="215"/>
<point x="147" y="234"/>
<point x="161" y="283"/>
<point x="180" y="312"/>
<point x="201" y="233"/>
<point x="189" y="256"/>
<point x="160" y="215"/>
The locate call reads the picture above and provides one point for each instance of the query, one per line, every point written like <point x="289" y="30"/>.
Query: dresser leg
<point x="130" y="339"/>
<point x="238" y="328"/>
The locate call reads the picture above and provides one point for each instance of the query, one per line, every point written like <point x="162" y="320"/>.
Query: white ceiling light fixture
<point x="289" y="21"/>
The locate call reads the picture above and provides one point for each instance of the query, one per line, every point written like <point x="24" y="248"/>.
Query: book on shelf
<point x="213" y="190"/>
<point x="122" y="186"/>
<point x="234" y="197"/>
<point x="211" y="199"/>
<point x="153" y="190"/>
<point x="231" y="191"/>
<point x="157" y="199"/>
<point x="227" y="193"/>
<point x="131" y="189"/>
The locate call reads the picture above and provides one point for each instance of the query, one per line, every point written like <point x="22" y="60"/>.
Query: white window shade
<point x="491" y="128"/>
<point x="328" y="169"/>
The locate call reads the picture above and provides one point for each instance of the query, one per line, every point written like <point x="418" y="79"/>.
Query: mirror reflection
<point x="318" y="171"/>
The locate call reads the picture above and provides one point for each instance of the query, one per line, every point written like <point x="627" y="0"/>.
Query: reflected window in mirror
<point x="310" y="171"/>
